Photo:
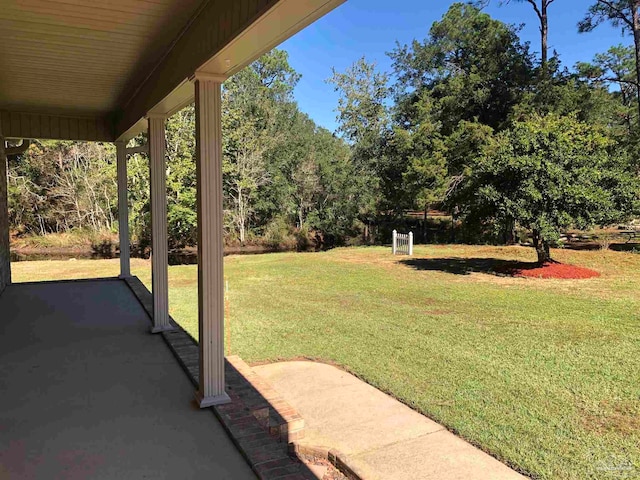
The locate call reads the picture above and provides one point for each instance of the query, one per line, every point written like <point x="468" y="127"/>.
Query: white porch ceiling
<point x="80" y="56"/>
<point x="93" y="70"/>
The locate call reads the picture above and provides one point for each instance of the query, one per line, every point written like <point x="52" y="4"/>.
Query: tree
<point x="621" y="13"/>
<point x="471" y="65"/>
<point x="541" y="10"/>
<point x="550" y="173"/>
<point x="182" y="218"/>
<point x="363" y="120"/>
<point x="59" y="186"/>
<point x="338" y="196"/>
<point x="253" y="101"/>
<point x="471" y="69"/>
<point x="615" y="67"/>
<point x="423" y="156"/>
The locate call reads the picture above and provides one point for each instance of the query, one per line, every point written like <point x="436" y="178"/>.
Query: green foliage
<point x="619" y="12"/>
<point x="472" y="124"/>
<point x="615" y="69"/>
<point x="549" y="173"/>
<point x="58" y="186"/>
<point x="279" y="168"/>
<point x="363" y="121"/>
<point x="474" y="67"/>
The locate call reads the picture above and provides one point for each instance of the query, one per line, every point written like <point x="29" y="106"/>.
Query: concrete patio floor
<point x="88" y="392"/>
<point x="382" y="438"/>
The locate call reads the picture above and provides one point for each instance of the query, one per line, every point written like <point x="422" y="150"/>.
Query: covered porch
<point x="72" y="70"/>
<point x="86" y="388"/>
<point x="88" y="393"/>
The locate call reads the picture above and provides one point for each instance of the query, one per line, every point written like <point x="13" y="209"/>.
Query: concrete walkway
<point x="381" y="437"/>
<point x="88" y="392"/>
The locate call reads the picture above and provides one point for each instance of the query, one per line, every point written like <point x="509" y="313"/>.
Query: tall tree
<point x="253" y="101"/>
<point x="363" y="120"/>
<point x="615" y="67"/>
<point x="471" y="65"/>
<point x="624" y="14"/>
<point x="541" y="7"/>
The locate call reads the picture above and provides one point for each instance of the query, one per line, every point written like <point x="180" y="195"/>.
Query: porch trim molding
<point x="210" y="242"/>
<point x="159" y="233"/>
<point x="17" y="124"/>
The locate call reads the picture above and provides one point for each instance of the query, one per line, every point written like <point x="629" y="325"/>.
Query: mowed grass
<point x="543" y="374"/>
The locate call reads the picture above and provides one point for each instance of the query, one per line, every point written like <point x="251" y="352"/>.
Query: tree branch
<point x="535" y="7"/>
<point x="619" y="13"/>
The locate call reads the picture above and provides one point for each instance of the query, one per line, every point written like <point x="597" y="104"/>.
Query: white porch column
<point x="210" y="238"/>
<point x="123" y="210"/>
<point x="159" y="253"/>
<point x="5" y="257"/>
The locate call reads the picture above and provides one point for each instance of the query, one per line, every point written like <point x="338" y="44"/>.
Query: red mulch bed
<point x="551" y="270"/>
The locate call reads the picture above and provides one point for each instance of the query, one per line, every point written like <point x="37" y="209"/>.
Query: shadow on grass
<point x="592" y="246"/>
<point x="466" y="266"/>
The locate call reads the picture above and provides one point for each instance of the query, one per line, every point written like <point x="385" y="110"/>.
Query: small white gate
<point x="402" y="243"/>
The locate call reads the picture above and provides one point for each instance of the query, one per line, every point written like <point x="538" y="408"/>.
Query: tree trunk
<point x="544" y="33"/>
<point x="636" y="41"/>
<point x="453" y="225"/>
<point x="542" y="248"/>
<point x="424" y="224"/>
<point x="241" y="230"/>
<point x="509" y="227"/>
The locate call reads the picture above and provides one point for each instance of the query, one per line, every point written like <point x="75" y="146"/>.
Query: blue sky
<point x="372" y="27"/>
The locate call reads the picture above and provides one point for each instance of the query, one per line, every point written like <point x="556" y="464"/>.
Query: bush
<point x="278" y="236"/>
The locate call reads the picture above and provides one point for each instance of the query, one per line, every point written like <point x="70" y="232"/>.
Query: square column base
<point x="162" y="328"/>
<point x="205" y="402"/>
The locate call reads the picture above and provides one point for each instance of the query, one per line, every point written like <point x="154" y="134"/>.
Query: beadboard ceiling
<point x="83" y="55"/>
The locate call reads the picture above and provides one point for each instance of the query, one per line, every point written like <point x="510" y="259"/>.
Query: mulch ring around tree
<point x="549" y="270"/>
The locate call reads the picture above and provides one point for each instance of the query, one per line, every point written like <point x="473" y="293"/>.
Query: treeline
<point x="470" y="122"/>
<point x="477" y="125"/>
<point x="287" y="182"/>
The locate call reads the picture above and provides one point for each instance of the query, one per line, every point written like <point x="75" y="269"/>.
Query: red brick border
<point x="339" y="460"/>
<point x="284" y="422"/>
<point x="250" y="417"/>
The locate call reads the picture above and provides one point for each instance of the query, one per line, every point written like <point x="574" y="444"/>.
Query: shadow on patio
<point x="89" y="393"/>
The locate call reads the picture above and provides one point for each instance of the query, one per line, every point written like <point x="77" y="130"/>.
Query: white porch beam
<point x="159" y="236"/>
<point x="123" y="210"/>
<point x="210" y="238"/>
<point x="222" y="38"/>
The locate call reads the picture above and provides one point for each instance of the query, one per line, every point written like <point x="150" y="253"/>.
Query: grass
<point x="543" y="374"/>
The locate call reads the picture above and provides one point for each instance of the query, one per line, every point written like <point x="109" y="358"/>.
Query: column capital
<point x="159" y="116"/>
<point x="208" y="77"/>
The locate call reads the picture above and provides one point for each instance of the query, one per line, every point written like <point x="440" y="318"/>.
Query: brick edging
<point x="338" y="459"/>
<point x="247" y="418"/>
<point x="283" y="420"/>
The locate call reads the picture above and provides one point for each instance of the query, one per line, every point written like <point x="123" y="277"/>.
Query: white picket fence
<point x="402" y="243"/>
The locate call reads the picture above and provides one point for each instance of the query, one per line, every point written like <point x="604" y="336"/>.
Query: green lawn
<point x="543" y="374"/>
